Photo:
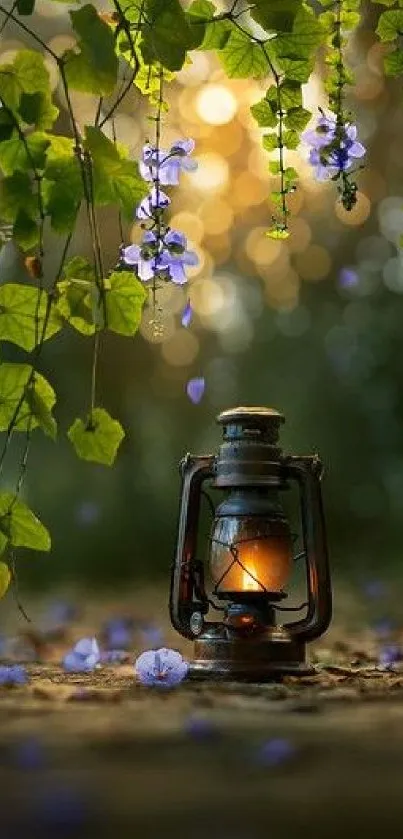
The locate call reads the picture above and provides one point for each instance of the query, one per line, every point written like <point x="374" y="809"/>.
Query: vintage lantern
<point x="250" y="554"/>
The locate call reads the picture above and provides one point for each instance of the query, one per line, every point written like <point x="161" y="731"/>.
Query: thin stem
<point x="11" y="16"/>
<point x="132" y="42"/>
<point x="95" y="359"/>
<point x="120" y="223"/>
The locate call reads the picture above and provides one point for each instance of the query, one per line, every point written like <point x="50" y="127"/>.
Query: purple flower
<point x="348" y="278"/>
<point x="12" y="675"/>
<point x="166" y="165"/>
<point x="389" y="656"/>
<point x="175" y="256"/>
<point x="167" y="257"/>
<point x="83" y="657"/>
<point x="195" y="389"/>
<point x="156" y="200"/>
<point x="187" y="315"/>
<point x="322" y="135"/>
<point x="275" y="752"/>
<point x="118" y="633"/>
<point x="161" y="668"/>
<point x="334" y="148"/>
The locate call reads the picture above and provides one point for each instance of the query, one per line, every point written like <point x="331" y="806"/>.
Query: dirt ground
<point x="99" y="755"/>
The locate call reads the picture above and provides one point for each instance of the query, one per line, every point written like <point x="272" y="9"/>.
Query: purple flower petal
<point x="185" y="146"/>
<point x="356" y="150"/>
<point x="175" y="238"/>
<point x="169" y="172"/>
<point x="13" y="675"/>
<point x="86" y="647"/>
<point x="131" y="254"/>
<point x="189" y="165"/>
<point x="195" y="389"/>
<point x="157" y="199"/>
<point x="161" y="668"/>
<point x="351" y="132"/>
<point x="177" y="272"/>
<point x="190" y="258"/>
<point x="348" y="278"/>
<point x="187" y="315"/>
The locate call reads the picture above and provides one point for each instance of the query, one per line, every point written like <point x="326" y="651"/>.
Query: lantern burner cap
<point x="257" y="417"/>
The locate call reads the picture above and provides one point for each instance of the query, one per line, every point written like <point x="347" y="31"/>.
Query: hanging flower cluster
<point x="334" y="150"/>
<point x="163" y="253"/>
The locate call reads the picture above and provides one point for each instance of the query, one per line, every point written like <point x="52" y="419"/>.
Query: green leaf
<point x="116" y="179"/>
<point x="79" y="268"/>
<point x="5" y="577"/>
<point x="290" y="94"/>
<point x="7" y="124"/>
<point x="26" y="230"/>
<point x="22" y="315"/>
<point x="94" y="68"/>
<point x="274" y="167"/>
<point x="296" y="69"/>
<point x="31" y="71"/>
<point x="124" y="303"/>
<point x="290" y="175"/>
<point x="62" y="186"/>
<point x="277" y="233"/>
<point x="148" y="79"/>
<point x="74" y="302"/>
<point x="17" y="385"/>
<point x="291" y="140"/>
<point x="265" y="113"/>
<point x="16" y="193"/>
<point x="307" y="33"/>
<point x="297" y="118"/>
<point x="27" y="74"/>
<point x="215" y="33"/>
<point x="10" y="86"/>
<point x="390" y="25"/>
<point x="393" y="63"/>
<point x="166" y="34"/>
<point x="270" y="141"/>
<point x="98" y="438"/>
<point x="242" y="58"/>
<point x="276" y="15"/>
<point x="37" y="109"/>
<point x="20" y="526"/>
<point x="16" y="156"/>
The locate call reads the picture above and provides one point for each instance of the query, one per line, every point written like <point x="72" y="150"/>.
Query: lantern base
<point x="251" y="659"/>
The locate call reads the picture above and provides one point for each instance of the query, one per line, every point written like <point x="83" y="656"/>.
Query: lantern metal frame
<point x="248" y="645"/>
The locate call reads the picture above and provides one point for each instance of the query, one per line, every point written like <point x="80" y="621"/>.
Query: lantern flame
<point x="248" y="583"/>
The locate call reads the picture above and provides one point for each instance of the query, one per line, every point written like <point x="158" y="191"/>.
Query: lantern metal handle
<point x="186" y="613"/>
<point x="307" y="471"/>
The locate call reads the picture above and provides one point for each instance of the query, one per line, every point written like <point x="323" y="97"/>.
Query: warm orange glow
<point x="264" y="564"/>
<point x="248" y="581"/>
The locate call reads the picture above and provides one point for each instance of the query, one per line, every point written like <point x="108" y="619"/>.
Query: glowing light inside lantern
<point x="248" y="581"/>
